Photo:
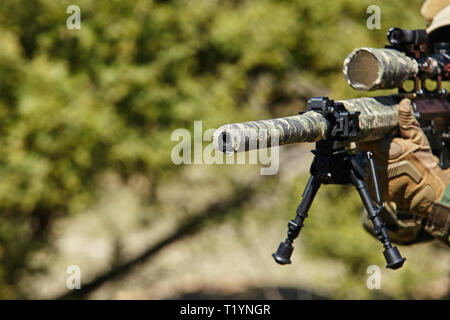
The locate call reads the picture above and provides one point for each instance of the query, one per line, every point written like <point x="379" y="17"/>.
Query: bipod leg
<point x="284" y="252"/>
<point x="391" y="254"/>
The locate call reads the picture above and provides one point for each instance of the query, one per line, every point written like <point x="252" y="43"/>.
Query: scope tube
<point x="368" y="69"/>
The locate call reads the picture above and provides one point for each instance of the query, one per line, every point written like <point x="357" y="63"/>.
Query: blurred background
<point x="86" y="176"/>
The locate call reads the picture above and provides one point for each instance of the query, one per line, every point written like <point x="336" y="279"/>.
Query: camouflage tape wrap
<point x="378" y="117"/>
<point x="369" y="69"/>
<point x="237" y="137"/>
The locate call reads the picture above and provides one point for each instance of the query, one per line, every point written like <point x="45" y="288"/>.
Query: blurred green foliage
<point x="75" y="104"/>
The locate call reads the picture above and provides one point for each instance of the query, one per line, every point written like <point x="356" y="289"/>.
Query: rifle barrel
<point x="238" y="137"/>
<point x="378" y="116"/>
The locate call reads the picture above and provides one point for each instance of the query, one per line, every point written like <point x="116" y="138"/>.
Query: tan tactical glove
<point x="409" y="175"/>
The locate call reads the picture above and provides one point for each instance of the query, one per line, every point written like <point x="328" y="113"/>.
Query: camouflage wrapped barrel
<point x="369" y="69"/>
<point x="378" y="117"/>
<point x="237" y="137"/>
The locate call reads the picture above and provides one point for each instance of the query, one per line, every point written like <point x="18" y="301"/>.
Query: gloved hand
<point x="409" y="174"/>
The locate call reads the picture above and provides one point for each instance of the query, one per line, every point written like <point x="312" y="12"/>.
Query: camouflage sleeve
<point x="369" y="69"/>
<point x="438" y="223"/>
<point x="378" y="117"/>
<point x="238" y="137"/>
<point x="445" y="199"/>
